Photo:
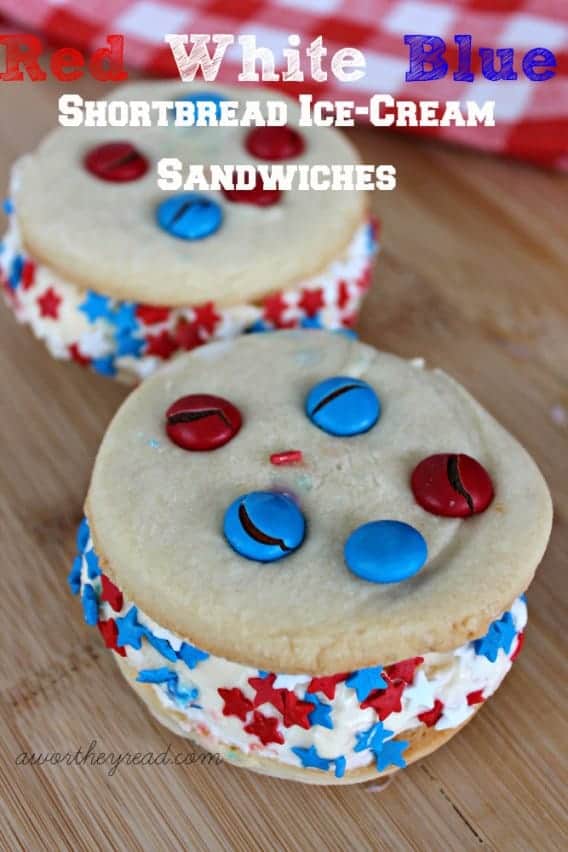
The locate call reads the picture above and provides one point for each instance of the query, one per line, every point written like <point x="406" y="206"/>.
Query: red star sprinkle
<point x="265" y="728"/>
<point x="49" y="303"/>
<point x="187" y="335"/>
<point x="342" y="295"/>
<point x="274" y="307"/>
<point x="326" y="684"/>
<point x="109" y="632"/>
<point x="111" y="594"/>
<point x="475" y="697"/>
<point x="430" y="717"/>
<point x="163" y="345"/>
<point x="296" y="711"/>
<point x="77" y="355"/>
<point x="236" y="703"/>
<point x="312" y="301"/>
<point x="206" y="317"/>
<point x="152" y="314"/>
<point x="265" y="692"/>
<point x="28" y="274"/>
<point x="519" y="648"/>
<point x="385" y="701"/>
<point x="403" y="670"/>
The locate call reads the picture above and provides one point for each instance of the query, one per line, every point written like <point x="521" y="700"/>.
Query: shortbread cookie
<point x="112" y="271"/>
<point x="308" y="555"/>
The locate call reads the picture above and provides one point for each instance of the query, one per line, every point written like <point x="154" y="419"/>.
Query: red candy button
<point x="274" y="143"/>
<point x="452" y="485"/>
<point x="256" y="195"/>
<point x="116" y="162"/>
<point x="202" y="422"/>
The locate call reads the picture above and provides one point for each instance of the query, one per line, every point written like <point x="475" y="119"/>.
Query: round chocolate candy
<point x="117" y="162"/>
<point x="258" y="194"/>
<point x="453" y="485"/>
<point x="202" y="422"/>
<point x="343" y="406"/>
<point x="264" y="526"/>
<point x="385" y="551"/>
<point x="274" y="143"/>
<point x="189" y="216"/>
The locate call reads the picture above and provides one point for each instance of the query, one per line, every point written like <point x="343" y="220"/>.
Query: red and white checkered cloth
<point x="531" y="117"/>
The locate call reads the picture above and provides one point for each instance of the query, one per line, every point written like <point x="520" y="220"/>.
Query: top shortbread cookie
<point x="103" y="235"/>
<point x="158" y="512"/>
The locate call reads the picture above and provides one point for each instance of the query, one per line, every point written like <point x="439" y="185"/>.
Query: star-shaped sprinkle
<point x="296" y="711"/>
<point x="78" y="356"/>
<point x="111" y="593"/>
<point x="385" y="701"/>
<point x="404" y="670"/>
<point x="475" y="697"/>
<point x="310" y="758"/>
<point x="373" y="738"/>
<point x="90" y="605"/>
<point x="321" y="714"/>
<point x="82" y="536"/>
<point x="152" y="314"/>
<point x="364" y="681"/>
<point x="235" y="703"/>
<point x="273" y="309"/>
<point x="187" y="335"/>
<point x="311" y="322"/>
<point x="128" y="345"/>
<point x="124" y="317"/>
<point x="162" y="646"/>
<point x="74" y="576"/>
<point x="453" y="717"/>
<point x="181" y="694"/>
<point x="161" y="675"/>
<point x="431" y="716"/>
<point x="265" y="728"/>
<point x="93" y="567"/>
<point x="48" y="303"/>
<point x="162" y="345"/>
<point x="16" y="271"/>
<point x="28" y="274"/>
<point x="312" y="301"/>
<point x="109" y="632"/>
<point x="326" y="685"/>
<point x="206" y="317"/>
<point x="519" y="646"/>
<point x="421" y="693"/>
<point x="95" y="306"/>
<point x="104" y="366"/>
<point x="391" y="755"/>
<point x="130" y="631"/>
<point x="191" y="655"/>
<point x="265" y="692"/>
<point x="500" y="635"/>
<point x="339" y="763"/>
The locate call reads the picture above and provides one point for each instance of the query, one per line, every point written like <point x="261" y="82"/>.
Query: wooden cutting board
<point x="472" y="276"/>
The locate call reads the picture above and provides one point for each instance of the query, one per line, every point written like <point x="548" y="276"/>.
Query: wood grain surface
<point x="473" y="276"/>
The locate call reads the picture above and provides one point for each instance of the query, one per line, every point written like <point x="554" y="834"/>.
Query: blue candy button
<point x="343" y="406"/>
<point x="207" y="97"/>
<point x="189" y="216"/>
<point x="385" y="551"/>
<point x="264" y="526"/>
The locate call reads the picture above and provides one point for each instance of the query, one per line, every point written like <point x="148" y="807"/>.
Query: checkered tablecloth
<point x="531" y="117"/>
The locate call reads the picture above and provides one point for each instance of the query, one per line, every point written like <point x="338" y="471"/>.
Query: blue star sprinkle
<point x="373" y="738"/>
<point x="74" y="576"/>
<point x="82" y="535"/>
<point x="163" y="675"/>
<point x="311" y="322"/>
<point x="124" y="317"/>
<point x="127" y="345"/>
<point x="364" y="681"/>
<point x="162" y="646"/>
<point x="191" y="655"/>
<point x="310" y="759"/>
<point x="500" y="635"/>
<point x="339" y="766"/>
<point x="130" y="631"/>
<point x="321" y="714"/>
<point x="95" y="306"/>
<point x="16" y="271"/>
<point x="90" y="605"/>
<point x="180" y="694"/>
<point x="104" y="366"/>
<point x="93" y="567"/>
<point x="391" y="754"/>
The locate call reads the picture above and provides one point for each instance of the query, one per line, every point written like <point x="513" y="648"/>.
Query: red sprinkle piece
<point x="78" y="356"/>
<point x="152" y="314"/>
<point x="274" y="143"/>
<point x="49" y="303"/>
<point x="116" y="162"/>
<point x="312" y="301"/>
<point x="404" y="670"/>
<point x="296" y="712"/>
<point x="326" y="685"/>
<point x="430" y="717"/>
<point x="475" y="697"/>
<point x="265" y="728"/>
<point x="163" y="345"/>
<point x="265" y="692"/>
<point x="286" y="457"/>
<point x="109" y="632"/>
<point x="273" y="309"/>
<point x="206" y="317"/>
<point x="385" y="701"/>
<point x="519" y="648"/>
<point x="236" y="703"/>
<point x="28" y="274"/>
<point x="111" y="593"/>
<point x="257" y="194"/>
